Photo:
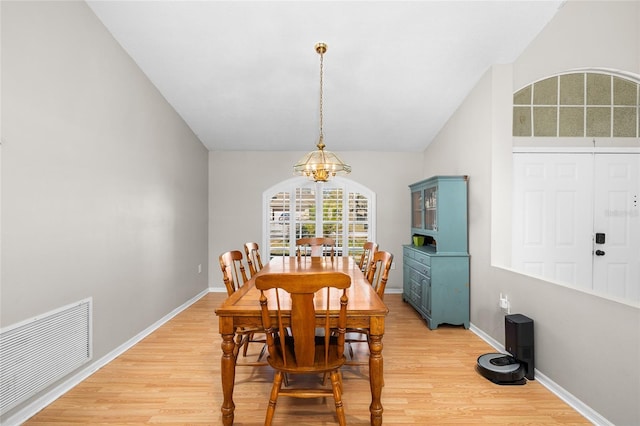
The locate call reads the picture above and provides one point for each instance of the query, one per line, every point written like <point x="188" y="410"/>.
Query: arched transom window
<point x="297" y="208"/>
<point x="578" y="104"/>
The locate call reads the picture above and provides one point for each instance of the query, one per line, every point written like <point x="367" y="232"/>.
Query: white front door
<point x="616" y="261"/>
<point x="552" y="219"/>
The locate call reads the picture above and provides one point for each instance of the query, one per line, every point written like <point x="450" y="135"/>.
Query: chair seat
<point x="335" y="359"/>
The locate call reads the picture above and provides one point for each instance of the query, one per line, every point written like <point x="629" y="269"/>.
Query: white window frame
<point x="290" y="185"/>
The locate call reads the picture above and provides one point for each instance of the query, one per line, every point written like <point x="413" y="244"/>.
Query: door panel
<point x="552" y="216"/>
<point x="617" y="183"/>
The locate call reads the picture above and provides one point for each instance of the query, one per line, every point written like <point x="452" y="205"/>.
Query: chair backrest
<point x="233" y="272"/>
<point x="379" y="271"/>
<point x="301" y="290"/>
<point x="315" y="246"/>
<point x="368" y="250"/>
<point x="253" y="257"/>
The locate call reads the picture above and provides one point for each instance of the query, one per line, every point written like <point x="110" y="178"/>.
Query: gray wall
<point x="104" y="187"/>
<point x="588" y="345"/>
<point x="238" y="179"/>
<point x="104" y="192"/>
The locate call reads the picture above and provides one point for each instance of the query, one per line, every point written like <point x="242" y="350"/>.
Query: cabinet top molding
<point x="440" y="178"/>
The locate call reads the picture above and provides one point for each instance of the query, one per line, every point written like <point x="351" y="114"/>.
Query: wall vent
<point x="39" y="351"/>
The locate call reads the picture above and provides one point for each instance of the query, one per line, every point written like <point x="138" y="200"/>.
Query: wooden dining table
<point x="364" y="310"/>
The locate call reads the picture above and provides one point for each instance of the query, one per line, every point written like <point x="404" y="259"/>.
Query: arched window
<point x="297" y="208"/>
<point x="578" y="104"/>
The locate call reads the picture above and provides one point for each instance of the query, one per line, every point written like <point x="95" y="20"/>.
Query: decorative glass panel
<point x="545" y="92"/>
<point x="431" y="208"/>
<point x="572" y="89"/>
<point x="624" y="122"/>
<point x="598" y="89"/>
<point x="523" y="96"/>
<point x="598" y="121"/>
<point x="624" y="92"/>
<point x="416" y="209"/>
<point x="588" y="105"/>
<point x="545" y="121"/>
<point x="521" y="121"/>
<point x="571" y="121"/>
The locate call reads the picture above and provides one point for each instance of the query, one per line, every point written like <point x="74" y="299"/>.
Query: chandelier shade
<point x="321" y="165"/>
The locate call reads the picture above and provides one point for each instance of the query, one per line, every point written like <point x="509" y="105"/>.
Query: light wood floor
<point x="173" y="377"/>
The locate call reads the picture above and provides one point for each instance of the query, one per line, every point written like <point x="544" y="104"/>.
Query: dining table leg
<point x="376" y="378"/>
<point x="227" y="369"/>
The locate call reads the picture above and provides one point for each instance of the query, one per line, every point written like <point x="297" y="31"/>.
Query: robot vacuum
<point x="501" y="369"/>
<point x="516" y="366"/>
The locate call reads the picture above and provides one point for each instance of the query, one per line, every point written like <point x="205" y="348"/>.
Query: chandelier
<point x="320" y="165"/>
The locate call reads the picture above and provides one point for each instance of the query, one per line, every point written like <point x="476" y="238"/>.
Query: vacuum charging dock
<point x="511" y="369"/>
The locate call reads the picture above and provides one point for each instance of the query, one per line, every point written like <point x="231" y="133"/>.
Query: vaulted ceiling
<point x="245" y="75"/>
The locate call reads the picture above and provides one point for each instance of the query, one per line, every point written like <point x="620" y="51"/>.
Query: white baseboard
<point x="586" y="411"/>
<point x="47" y="398"/>
<point x="32" y="408"/>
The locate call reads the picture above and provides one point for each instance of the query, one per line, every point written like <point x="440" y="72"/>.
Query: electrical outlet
<point x="504" y="303"/>
<point x="200" y="268"/>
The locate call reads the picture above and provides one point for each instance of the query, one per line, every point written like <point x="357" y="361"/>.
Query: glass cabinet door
<point x="430" y="208"/>
<point x="416" y="209"/>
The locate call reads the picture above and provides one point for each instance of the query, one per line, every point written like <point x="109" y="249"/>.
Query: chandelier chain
<point x="320" y="165"/>
<point x="321" y="94"/>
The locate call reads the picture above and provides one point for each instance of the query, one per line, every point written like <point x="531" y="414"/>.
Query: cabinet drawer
<point x="422" y="258"/>
<point x="417" y="255"/>
<point x="408" y="253"/>
<point x="419" y="267"/>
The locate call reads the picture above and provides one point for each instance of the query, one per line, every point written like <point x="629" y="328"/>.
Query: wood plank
<point x="173" y="376"/>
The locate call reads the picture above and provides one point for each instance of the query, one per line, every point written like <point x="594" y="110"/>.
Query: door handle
<point x="599" y="253"/>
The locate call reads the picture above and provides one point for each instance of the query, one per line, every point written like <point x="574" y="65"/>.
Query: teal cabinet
<point x="436" y="272"/>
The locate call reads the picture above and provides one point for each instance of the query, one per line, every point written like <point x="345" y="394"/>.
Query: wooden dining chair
<point x="315" y="247"/>
<point x="377" y="276"/>
<point x="234" y="276"/>
<point x="378" y="273"/>
<point x="368" y="249"/>
<point x="292" y="304"/>
<point x="252" y="252"/>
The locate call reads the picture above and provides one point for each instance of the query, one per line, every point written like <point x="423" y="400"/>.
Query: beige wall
<point x="104" y="187"/>
<point x="587" y="345"/>
<point x="238" y="179"/>
<point x="104" y="192"/>
<point x="602" y="34"/>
